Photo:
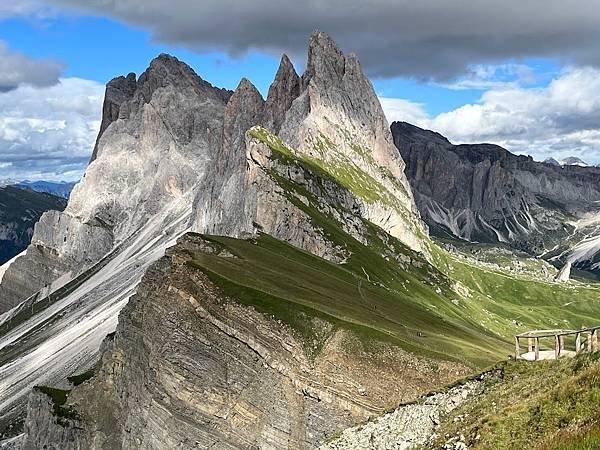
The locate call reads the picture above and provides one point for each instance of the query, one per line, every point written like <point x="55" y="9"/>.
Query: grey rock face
<point x="331" y="117"/>
<point x="410" y="426"/>
<point x="118" y="91"/>
<point x="338" y="122"/>
<point x="284" y="90"/>
<point x="485" y="193"/>
<point x="219" y="204"/>
<point x="189" y="367"/>
<point x="44" y="429"/>
<point x="153" y="150"/>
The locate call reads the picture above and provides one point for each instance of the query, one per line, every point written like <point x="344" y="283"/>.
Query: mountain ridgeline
<point x="484" y="193"/>
<point x="232" y="272"/>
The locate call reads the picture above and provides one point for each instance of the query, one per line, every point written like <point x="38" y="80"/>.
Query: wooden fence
<point x="533" y="343"/>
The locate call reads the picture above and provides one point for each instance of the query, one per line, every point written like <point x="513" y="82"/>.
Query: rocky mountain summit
<point x="484" y="193"/>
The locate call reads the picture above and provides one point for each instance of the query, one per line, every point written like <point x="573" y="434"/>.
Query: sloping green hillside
<point x="446" y="308"/>
<point x="549" y="405"/>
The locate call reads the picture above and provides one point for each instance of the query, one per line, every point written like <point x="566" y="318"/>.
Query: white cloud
<point x="494" y="76"/>
<point x="49" y="132"/>
<point x="19" y="8"/>
<point x="559" y="120"/>
<point x="403" y="110"/>
<point x="17" y="69"/>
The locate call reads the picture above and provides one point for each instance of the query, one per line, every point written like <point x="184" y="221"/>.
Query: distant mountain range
<point x="20" y="209"/>
<point x="569" y="161"/>
<point x="59" y="188"/>
<point x="484" y="193"/>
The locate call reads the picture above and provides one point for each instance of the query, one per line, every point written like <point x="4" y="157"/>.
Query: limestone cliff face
<point x="338" y="122"/>
<point x="157" y="138"/>
<point x="485" y="193"/>
<point x="190" y="367"/>
<point x="118" y="91"/>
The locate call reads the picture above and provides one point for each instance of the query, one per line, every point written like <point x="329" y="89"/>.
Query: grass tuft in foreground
<point x="548" y="405"/>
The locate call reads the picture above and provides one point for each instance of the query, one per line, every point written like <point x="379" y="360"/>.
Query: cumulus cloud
<point x="399" y="109"/>
<point x="20" y="8"/>
<point x="559" y="120"/>
<point x="17" y="69"/>
<point x="48" y="133"/>
<point x="425" y="38"/>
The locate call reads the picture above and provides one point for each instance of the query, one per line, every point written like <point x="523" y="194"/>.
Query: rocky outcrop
<point x="118" y="91"/>
<point x="285" y="89"/>
<point x="191" y="367"/>
<point x="410" y="426"/>
<point x="330" y="118"/>
<point x="338" y="122"/>
<point x="162" y="131"/>
<point x="484" y="193"/>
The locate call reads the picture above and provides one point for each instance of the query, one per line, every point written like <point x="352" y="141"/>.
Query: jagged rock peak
<point x="285" y="89"/>
<point x="245" y="85"/>
<point x="325" y="60"/>
<point x="118" y="91"/>
<point x="167" y="70"/>
<point x="245" y="105"/>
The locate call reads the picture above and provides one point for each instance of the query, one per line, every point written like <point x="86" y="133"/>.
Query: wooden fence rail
<point x="533" y="343"/>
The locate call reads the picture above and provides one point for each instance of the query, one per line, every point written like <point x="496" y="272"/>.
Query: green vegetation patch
<point x="542" y="405"/>
<point x="368" y="295"/>
<point x="59" y="400"/>
<point x="76" y="380"/>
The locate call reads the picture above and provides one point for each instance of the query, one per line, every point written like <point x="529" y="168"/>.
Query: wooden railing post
<point x="589" y="341"/>
<point x="578" y="342"/>
<point x="562" y="342"/>
<point x="594" y="339"/>
<point x="517" y="348"/>
<point x="537" y="348"/>
<point x="556" y="346"/>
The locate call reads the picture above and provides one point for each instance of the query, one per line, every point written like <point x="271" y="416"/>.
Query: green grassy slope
<point x="372" y="296"/>
<point x="445" y="308"/>
<point x="549" y="405"/>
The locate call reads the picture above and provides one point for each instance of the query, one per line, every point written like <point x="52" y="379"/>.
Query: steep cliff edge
<point x="201" y="359"/>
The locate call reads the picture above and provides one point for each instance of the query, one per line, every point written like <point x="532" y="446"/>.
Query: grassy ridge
<point x="452" y="308"/>
<point x="292" y="285"/>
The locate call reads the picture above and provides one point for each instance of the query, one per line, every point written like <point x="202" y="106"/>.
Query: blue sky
<point x="99" y="49"/>
<point x="504" y="89"/>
